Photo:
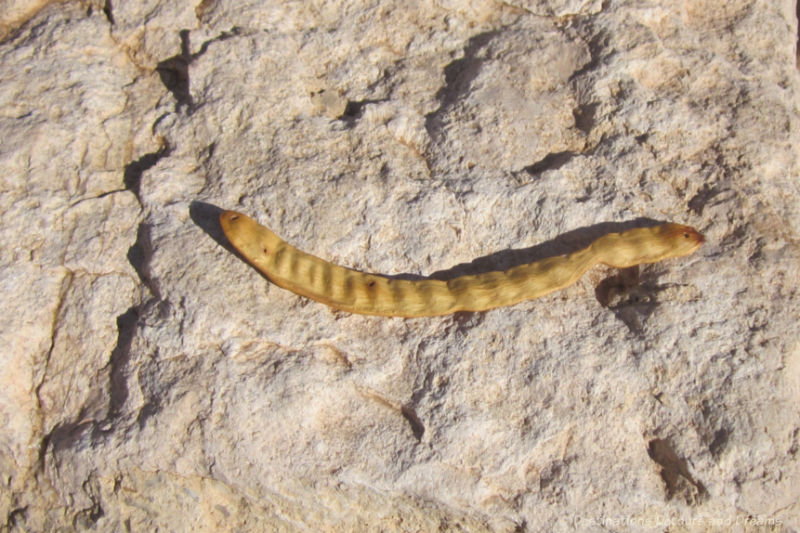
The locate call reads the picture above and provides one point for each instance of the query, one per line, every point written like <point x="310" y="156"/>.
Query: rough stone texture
<point x="149" y="379"/>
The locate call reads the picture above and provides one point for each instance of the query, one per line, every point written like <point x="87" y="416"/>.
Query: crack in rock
<point x="675" y="472"/>
<point x="552" y="161"/>
<point x="174" y="71"/>
<point x="132" y="175"/>
<point x="457" y="78"/>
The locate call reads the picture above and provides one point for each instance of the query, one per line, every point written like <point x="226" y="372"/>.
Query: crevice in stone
<point x="699" y="201"/>
<point x="202" y="9"/>
<point x="458" y="76"/>
<point x="139" y="255"/>
<point x="797" y="44"/>
<point x="225" y="35"/>
<point x="581" y="81"/>
<point x="87" y="518"/>
<point x="108" y="10"/>
<point x="675" y="472"/>
<point x="132" y="175"/>
<point x="417" y="427"/>
<point x="596" y="44"/>
<point x="62" y="296"/>
<point x="63" y="435"/>
<point x="355" y="109"/>
<point x="16" y="518"/>
<point x="149" y="410"/>
<point x="553" y="472"/>
<point x="97" y="196"/>
<point x="174" y="71"/>
<point x="719" y="443"/>
<point x="584" y="116"/>
<point x="552" y="161"/>
<point x="118" y="363"/>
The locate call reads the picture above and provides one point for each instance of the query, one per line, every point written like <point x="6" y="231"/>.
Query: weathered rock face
<point x="150" y="379"/>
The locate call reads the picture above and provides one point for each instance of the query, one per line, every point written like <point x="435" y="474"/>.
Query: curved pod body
<point x="374" y="294"/>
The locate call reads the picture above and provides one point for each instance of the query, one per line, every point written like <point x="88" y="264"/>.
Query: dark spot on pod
<point x="234" y="217"/>
<point x="371" y="283"/>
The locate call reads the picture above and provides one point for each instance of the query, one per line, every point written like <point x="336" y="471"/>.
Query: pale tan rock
<point x="73" y="110"/>
<point x="15" y="13"/>
<point x="149" y="379"/>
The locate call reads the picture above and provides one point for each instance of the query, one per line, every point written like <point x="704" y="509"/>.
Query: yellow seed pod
<point x="376" y="294"/>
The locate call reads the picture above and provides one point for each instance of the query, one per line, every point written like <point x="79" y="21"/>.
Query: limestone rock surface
<point x="151" y="380"/>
